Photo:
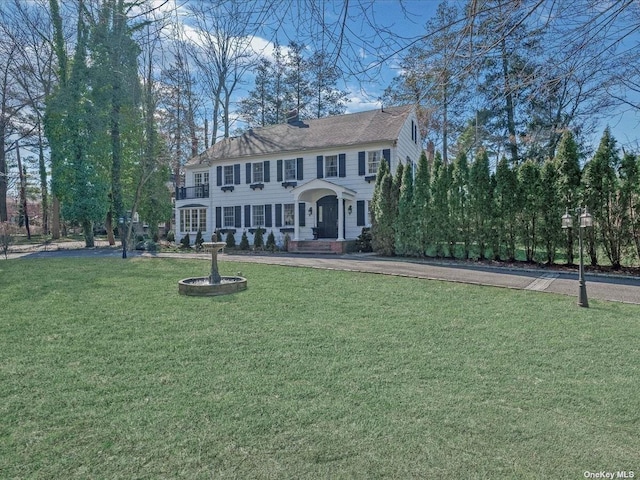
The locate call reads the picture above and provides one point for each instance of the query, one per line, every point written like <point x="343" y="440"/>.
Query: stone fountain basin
<point x="201" y="286"/>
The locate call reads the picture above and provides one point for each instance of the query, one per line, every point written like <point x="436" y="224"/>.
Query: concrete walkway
<point x="617" y="288"/>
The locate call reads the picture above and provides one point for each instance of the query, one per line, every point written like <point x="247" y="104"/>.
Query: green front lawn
<point x="106" y="372"/>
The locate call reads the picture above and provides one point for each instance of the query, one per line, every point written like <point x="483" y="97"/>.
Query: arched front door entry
<point x="327" y="217"/>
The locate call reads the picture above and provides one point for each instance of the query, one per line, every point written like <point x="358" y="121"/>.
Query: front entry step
<point x="317" y="246"/>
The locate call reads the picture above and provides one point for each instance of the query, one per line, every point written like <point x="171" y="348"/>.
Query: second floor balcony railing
<point x="199" y="191"/>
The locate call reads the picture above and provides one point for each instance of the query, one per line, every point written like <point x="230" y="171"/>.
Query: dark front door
<point x="327" y="209"/>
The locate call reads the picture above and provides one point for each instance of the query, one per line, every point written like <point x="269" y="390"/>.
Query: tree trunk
<point x="44" y="191"/>
<point x="3" y="175"/>
<point x="23" y="193"/>
<point x="87" y="230"/>
<point x="108" y="225"/>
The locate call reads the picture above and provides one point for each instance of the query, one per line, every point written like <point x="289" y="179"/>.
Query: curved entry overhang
<point x="316" y="189"/>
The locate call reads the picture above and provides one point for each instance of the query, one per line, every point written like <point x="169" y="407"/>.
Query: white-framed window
<point x="229" y="219"/>
<point x="193" y="219"/>
<point x="373" y="161"/>
<point x="289" y="214"/>
<point x="331" y="166"/>
<point x="200" y="178"/>
<point x="290" y="169"/>
<point x="257" y="215"/>
<point x="257" y="172"/>
<point x="228" y="174"/>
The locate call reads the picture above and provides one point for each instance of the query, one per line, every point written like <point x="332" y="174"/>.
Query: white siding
<point x="274" y="193"/>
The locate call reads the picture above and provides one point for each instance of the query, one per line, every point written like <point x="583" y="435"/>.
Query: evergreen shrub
<point x="230" y="240"/>
<point x="244" y="241"/>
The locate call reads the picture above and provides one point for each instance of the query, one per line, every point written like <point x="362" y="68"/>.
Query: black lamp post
<point x="122" y="221"/>
<point x="586" y="220"/>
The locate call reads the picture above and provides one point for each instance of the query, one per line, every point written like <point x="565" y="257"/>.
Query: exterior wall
<point x="272" y="193"/>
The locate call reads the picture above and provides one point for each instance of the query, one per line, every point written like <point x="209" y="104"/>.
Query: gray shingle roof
<point x="340" y="130"/>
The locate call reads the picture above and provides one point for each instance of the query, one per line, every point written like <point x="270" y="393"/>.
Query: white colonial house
<point x="312" y="180"/>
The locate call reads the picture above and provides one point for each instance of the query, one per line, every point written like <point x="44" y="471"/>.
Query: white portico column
<point x="340" y="218"/>
<point x="296" y="218"/>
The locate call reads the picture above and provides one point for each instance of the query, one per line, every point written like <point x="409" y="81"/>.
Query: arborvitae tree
<point x="383" y="211"/>
<point x="258" y="239"/>
<point x="480" y="201"/>
<point x="397" y="183"/>
<point x="244" y="241"/>
<point x="407" y="227"/>
<point x="271" y="242"/>
<point x="440" y="205"/>
<point x="185" y="243"/>
<point x="506" y="204"/>
<point x="199" y="240"/>
<point x="551" y="210"/>
<point x="601" y="189"/>
<point x="422" y="204"/>
<point x="459" y="203"/>
<point x="530" y="194"/>
<point x="568" y="162"/>
<point x="230" y="239"/>
<point x="630" y="194"/>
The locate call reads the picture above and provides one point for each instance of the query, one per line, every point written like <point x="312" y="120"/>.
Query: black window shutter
<point x="386" y="154"/>
<point x="301" y="214"/>
<point x="267" y="171"/>
<point x="218" y="217"/>
<point x="238" y="215"/>
<point x="267" y="216"/>
<point x="279" y="170"/>
<point x="219" y="175"/>
<point x="299" y="168"/>
<point x="247" y="216"/>
<point x="412" y="130"/>
<point x="360" y="213"/>
<point x="342" y="165"/>
<point x="320" y="164"/>
<point x="236" y="174"/>
<point x="278" y="214"/>
<point x="361" y="163"/>
<point x="248" y="173"/>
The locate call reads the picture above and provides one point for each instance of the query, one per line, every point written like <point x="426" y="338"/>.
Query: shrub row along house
<point x="311" y="180"/>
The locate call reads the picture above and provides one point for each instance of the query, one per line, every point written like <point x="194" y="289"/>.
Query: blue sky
<point x="406" y="18"/>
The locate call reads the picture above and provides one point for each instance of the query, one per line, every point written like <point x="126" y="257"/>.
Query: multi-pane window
<point x="257" y="215"/>
<point x="373" y="160"/>
<point x="289" y="214"/>
<point x="228" y="174"/>
<point x="331" y="166"/>
<point x="258" y="172"/>
<point x="290" y="169"/>
<point x="200" y="178"/>
<point x="229" y="216"/>
<point x="193" y="219"/>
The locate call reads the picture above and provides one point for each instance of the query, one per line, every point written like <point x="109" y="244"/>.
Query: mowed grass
<point x="106" y="372"/>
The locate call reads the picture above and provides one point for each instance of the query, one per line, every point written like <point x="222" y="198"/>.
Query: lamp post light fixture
<point x="586" y="221"/>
